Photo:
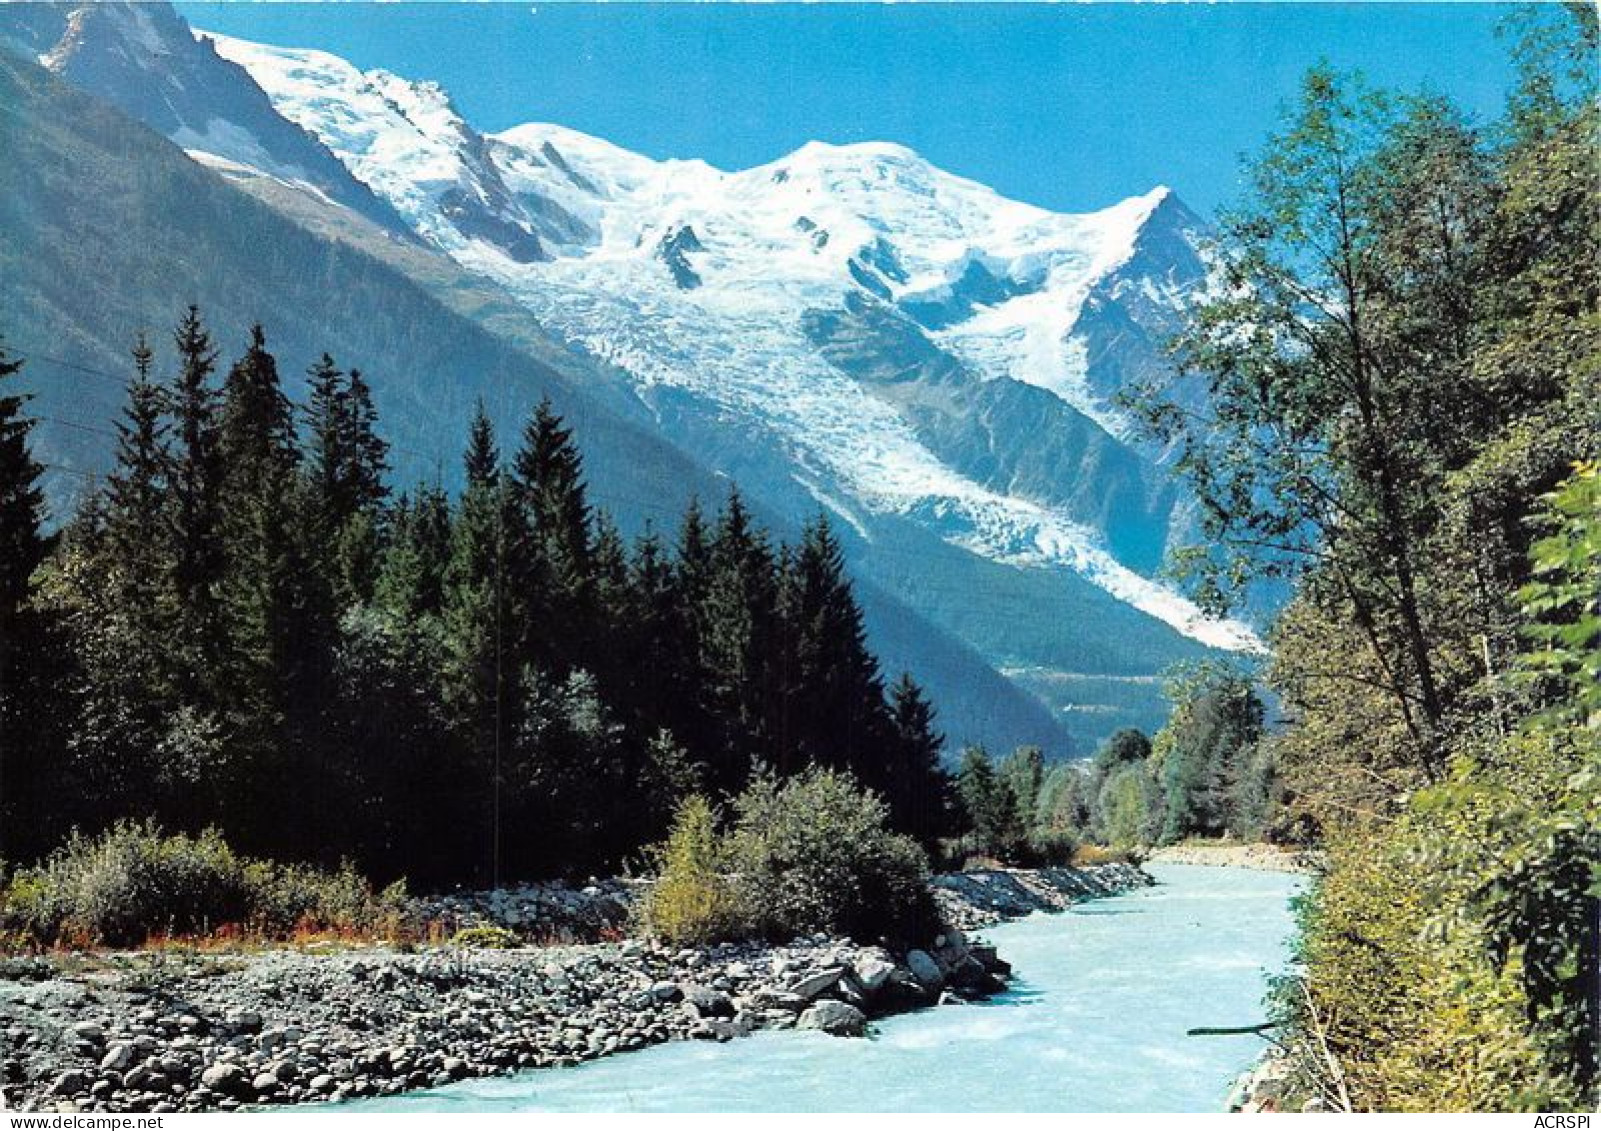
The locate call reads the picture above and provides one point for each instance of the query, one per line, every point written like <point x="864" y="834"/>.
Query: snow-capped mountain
<point x="144" y="59"/>
<point x="847" y="327"/>
<point x="727" y="288"/>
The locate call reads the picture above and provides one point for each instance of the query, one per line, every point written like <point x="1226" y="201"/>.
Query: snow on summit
<point x="701" y="283"/>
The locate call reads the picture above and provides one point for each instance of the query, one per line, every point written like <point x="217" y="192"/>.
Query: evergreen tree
<point x="833" y="694"/>
<point x="411" y="577"/>
<point x="993" y="821"/>
<point x="281" y="620"/>
<point x="554" y="558"/>
<point x="481" y="611"/>
<point x="348" y="463"/>
<point x="735" y="629"/>
<point x="195" y="484"/>
<point x="482" y="461"/>
<point x="918" y="790"/>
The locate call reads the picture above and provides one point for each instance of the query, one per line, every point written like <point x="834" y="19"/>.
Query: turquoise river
<point x="1095" y="1021"/>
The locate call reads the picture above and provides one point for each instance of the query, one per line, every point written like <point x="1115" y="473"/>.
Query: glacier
<point x="698" y="281"/>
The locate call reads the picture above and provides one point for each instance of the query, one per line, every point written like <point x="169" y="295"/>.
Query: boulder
<point x="872" y="971"/>
<point x="816" y="984"/>
<point x="226" y="1079"/>
<point x="836" y="1018"/>
<point x="925" y="969"/>
<point x="707" y="1002"/>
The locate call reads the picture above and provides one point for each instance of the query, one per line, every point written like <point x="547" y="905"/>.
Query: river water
<point x="1095" y="1021"/>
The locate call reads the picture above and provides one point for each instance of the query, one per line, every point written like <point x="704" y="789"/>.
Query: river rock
<point x="836" y="1018"/>
<point x="226" y="1079"/>
<point x="872" y="971"/>
<point x="118" y="1057"/>
<point x="925" y="969"/>
<point x="814" y="985"/>
<point x="707" y="1002"/>
<point x="69" y="1083"/>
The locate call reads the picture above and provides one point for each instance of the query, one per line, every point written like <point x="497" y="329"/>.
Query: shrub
<point x="486" y="938"/>
<point x="691" y="902"/>
<point x="127" y="884"/>
<point x="1053" y="847"/>
<point x="1089" y="855"/>
<point x="132" y="883"/>
<point x="814" y="853"/>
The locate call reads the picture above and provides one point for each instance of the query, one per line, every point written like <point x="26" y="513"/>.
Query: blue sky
<point x="1071" y="107"/>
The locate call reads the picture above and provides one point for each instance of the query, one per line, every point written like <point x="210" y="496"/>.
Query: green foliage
<point x="1448" y="752"/>
<point x="133" y="883"/>
<point x="1562" y="604"/>
<point x="815" y="853"/>
<point x="1129" y="806"/>
<point x="691" y="901"/>
<point x="996" y="825"/>
<point x="1200" y="754"/>
<point x="485" y="938"/>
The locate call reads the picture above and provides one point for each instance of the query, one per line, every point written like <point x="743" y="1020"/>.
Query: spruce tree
<point x="482" y="611"/>
<point x="554" y="558"/>
<point x="411" y="576"/>
<point x="736" y="631"/>
<point x="136" y="496"/>
<point x="281" y="621"/>
<point x="918" y="790"/>
<point x="348" y="465"/>
<point x="195" y="483"/>
<point x="834" y="696"/>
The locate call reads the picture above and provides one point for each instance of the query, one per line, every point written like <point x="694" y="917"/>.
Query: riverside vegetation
<point x="1403" y="378"/>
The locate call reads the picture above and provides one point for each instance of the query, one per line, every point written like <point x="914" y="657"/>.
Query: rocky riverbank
<point x="1224" y="854"/>
<point x="973" y="900"/>
<point x="190" y="1031"/>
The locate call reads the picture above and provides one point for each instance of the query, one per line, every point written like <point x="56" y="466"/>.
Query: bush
<point x="1048" y="848"/>
<point x="814" y="853"/>
<point x="691" y="902"/>
<point x="132" y="883"/>
<point x="485" y="938"/>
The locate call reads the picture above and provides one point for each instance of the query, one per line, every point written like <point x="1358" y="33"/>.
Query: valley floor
<point x="187" y="1030"/>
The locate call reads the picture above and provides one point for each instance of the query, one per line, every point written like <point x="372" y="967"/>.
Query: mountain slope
<point x="143" y="59"/>
<point x="729" y="289"/>
<point x="92" y="251"/>
<point x="847" y="328"/>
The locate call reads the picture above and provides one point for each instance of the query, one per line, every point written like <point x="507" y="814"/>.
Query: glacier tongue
<point x="697" y="281"/>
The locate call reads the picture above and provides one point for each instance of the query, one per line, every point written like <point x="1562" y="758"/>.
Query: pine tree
<point x="281" y="621"/>
<point x="195" y="483"/>
<point x="120" y="613"/>
<point x="736" y="627"/>
<point x="834" y="695"/>
<point x="348" y="464"/>
<point x="482" y="610"/>
<point x="140" y="567"/>
<point x="412" y="575"/>
<point x="990" y="806"/>
<point x="482" y="462"/>
<point x="328" y="455"/>
<point x="918" y="790"/>
<point x="554" y="560"/>
<point x="368" y="452"/>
